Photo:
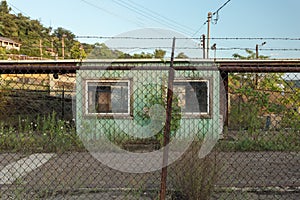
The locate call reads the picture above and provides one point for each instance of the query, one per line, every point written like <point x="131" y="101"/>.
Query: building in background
<point x="9" y="44"/>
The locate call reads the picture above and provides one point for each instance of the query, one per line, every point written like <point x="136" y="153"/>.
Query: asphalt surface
<point x="242" y="175"/>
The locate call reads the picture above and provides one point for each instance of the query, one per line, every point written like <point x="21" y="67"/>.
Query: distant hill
<point x="40" y="41"/>
<point x="35" y="38"/>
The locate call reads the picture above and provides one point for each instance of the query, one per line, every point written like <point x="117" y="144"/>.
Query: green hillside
<point x="40" y="41"/>
<point x="37" y="39"/>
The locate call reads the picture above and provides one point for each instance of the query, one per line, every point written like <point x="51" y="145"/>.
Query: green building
<point x="125" y="100"/>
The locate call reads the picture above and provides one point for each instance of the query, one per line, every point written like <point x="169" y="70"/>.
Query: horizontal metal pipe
<point x="16" y="69"/>
<point x="20" y="69"/>
<point x="260" y="69"/>
<point x="224" y="66"/>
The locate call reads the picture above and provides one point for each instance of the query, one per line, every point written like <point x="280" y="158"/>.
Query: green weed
<point x="44" y="134"/>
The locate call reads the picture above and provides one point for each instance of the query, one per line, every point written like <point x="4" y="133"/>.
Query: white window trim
<point x="208" y="83"/>
<point x="86" y="99"/>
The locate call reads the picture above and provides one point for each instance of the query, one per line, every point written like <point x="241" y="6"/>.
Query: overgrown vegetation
<point x="261" y="101"/>
<point x="261" y="141"/>
<point x="44" y="134"/>
<point x="195" y="178"/>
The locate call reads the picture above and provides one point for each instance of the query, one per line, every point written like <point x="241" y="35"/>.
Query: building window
<point x="193" y="97"/>
<point x="108" y="97"/>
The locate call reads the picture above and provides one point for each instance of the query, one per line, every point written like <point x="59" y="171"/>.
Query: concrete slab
<point x="20" y="168"/>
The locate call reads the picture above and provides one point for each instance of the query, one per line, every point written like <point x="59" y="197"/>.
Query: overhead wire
<point x="214" y="13"/>
<point x="161" y="16"/>
<point x="109" y="12"/>
<point x="22" y="12"/>
<point x="152" y="17"/>
<point x="218" y="10"/>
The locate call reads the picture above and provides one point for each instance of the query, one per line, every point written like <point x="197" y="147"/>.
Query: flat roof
<point x="8" y="40"/>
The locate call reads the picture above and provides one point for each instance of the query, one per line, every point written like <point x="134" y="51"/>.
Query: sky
<point x="237" y="19"/>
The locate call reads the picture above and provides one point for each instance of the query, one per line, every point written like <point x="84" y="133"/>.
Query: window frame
<point x="209" y="112"/>
<point x="109" y="115"/>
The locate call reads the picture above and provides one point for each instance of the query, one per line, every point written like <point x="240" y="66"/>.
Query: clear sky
<point x="239" y="18"/>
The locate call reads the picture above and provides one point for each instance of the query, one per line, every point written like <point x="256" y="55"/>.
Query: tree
<point x="29" y="32"/>
<point x="159" y="53"/>
<point x="1" y="29"/>
<point x="61" y="35"/>
<point x="251" y="55"/>
<point x="61" y="32"/>
<point x="253" y="95"/>
<point x="101" y="51"/>
<point x="125" y="56"/>
<point x="9" y="26"/>
<point x="181" y="55"/>
<point x="3" y="55"/>
<point x="4" y="9"/>
<point x="142" y="55"/>
<point x="77" y="51"/>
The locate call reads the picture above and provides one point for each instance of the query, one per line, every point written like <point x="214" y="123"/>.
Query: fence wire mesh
<point x="98" y="133"/>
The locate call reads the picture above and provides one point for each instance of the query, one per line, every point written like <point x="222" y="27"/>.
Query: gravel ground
<point x="243" y="175"/>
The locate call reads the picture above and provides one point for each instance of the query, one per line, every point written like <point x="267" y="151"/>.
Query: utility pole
<point x="52" y="45"/>
<point x="41" y="49"/>
<point x="203" y="46"/>
<point x="256" y="49"/>
<point x="208" y="33"/>
<point x="257" y="57"/>
<point x="63" y="46"/>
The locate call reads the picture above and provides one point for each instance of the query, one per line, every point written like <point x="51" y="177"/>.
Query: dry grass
<point x="195" y="178"/>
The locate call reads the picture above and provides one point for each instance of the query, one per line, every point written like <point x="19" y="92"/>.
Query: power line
<point x="147" y="14"/>
<point x="158" y="14"/>
<point x="22" y="12"/>
<point x="159" y="17"/>
<point x="221" y="7"/>
<point x="214" y="13"/>
<point x="152" y="17"/>
<point x="109" y="12"/>
<point x="199" y="30"/>
<point x="217" y="11"/>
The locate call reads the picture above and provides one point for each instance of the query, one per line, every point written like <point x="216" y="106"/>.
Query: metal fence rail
<point x="96" y="132"/>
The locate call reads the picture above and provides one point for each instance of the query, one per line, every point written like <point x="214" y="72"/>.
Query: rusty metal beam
<point x="71" y="66"/>
<point x="38" y="66"/>
<point x="41" y="69"/>
<point x="259" y="69"/>
<point x="259" y="66"/>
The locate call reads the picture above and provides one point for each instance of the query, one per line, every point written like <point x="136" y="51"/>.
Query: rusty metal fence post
<point x="166" y="140"/>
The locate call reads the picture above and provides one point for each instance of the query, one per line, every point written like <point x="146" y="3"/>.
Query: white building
<point x="9" y="44"/>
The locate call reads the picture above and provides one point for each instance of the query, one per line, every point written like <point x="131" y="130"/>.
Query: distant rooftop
<point x="8" y="40"/>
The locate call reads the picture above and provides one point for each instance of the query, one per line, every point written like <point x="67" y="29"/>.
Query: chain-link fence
<point x="111" y="131"/>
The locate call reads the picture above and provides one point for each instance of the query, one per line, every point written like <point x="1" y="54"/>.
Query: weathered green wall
<point x="145" y="84"/>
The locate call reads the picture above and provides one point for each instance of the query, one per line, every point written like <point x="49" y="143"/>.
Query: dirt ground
<point x="242" y="175"/>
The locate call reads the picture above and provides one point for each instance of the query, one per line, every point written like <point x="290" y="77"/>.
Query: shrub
<point x="195" y="178"/>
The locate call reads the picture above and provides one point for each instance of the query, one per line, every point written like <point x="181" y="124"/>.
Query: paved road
<point x="259" y="175"/>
